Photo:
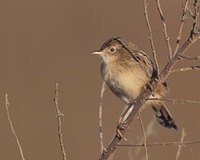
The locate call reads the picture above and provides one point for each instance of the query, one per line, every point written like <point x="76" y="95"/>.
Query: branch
<point x="144" y="136"/>
<point x="183" y="134"/>
<point x="164" y="28"/>
<point x="173" y="100"/>
<point x="185" y="69"/>
<point x="178" y="39"/>
<point x="155" y="144"/>
<point x="12" y="127"/>
<point x="59" y="114"/>
<point x="195" y="17"/>
<point x="103" y="88"/>
<point x="189" y="57"/>
<point x="150" y="38"/>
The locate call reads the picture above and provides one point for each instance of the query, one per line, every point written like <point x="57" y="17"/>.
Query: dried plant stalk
<point x="164" y="29"/>
<point x="173" y="100"/>
<point x="178" y="39"/>
<point x="144" y="136"/>
<point x="12" y="127"/>
<point x="58" y="116"/>
<point x="183" y="134"/>
<point x="103" y="88"/>
<point x="156" y="144"/>
<point x="185" y="69"/>
<point x="151" y="38"/>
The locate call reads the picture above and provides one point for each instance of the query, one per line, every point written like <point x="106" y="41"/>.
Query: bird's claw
<point x="120" y="127"/>
<point x="148" y="86"/>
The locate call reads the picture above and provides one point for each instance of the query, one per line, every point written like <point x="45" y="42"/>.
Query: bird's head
<point x="115" y="49"/>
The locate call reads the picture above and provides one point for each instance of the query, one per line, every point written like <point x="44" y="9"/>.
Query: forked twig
<point x="58" y="116"/>
<point x="12" y="127"/>
<point x="144" y="136"/>
<point x="103" y="88"/>
<point x="164" y="29"/>
<point x="151" y="38"/>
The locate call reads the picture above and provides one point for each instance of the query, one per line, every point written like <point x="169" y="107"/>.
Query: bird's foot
<point x="148" y="86"/>
<point x="120" y="127"/>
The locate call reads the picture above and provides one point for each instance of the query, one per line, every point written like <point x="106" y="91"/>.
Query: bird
<point x="127" y="70"/>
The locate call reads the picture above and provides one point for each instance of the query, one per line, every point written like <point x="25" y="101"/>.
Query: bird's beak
<point x="97" y="53"/>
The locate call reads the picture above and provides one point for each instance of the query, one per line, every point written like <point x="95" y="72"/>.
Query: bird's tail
<point x="163" y="115"/>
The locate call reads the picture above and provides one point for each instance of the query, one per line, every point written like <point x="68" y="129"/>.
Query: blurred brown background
<point x="48" y="41"/>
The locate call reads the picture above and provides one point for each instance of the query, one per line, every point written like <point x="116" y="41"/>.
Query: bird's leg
<point x="119" y="128"/>
<point x="121" y="124"/>
<point x="148" y="86"/>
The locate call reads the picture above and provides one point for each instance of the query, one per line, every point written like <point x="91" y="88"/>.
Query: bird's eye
<point x="112" y="50"/>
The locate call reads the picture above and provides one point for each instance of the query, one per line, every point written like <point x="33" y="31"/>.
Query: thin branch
<point x="190" y="12"/>
<point x="183" y="134"/>
<point x="173" y="100"/>
<point x="144" y="136"/>
<point x="164" y="29"/>
<point x="195" y="17"/>
<point x="181" y="26"/>
<point x="194" y="30"/>
<point x="12" y="127"/>
<point x="189" y="57"/>
<point x="58" y="116"/>
<point x="155" y="144"/>
<point x="151" y="38"/>
<point x="185" y="69"/>
<point x="103" y="88"/>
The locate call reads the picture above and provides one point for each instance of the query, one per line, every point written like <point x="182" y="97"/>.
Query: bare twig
<point x="173" y="100"/>
<point x="190" y="12"/>
<point x="164" y="29"/>
<point x="195" y="17"/>
<point x="183" y="134"/>
<point x="185" y="69"/>
<point x="58" y="116"/>
<point x="194" y="31"/>
<point x="189" y="57"/>
<point x="161" y="144"/>
<point x="103" y="88"/>
<point x="151" y="38"/>
<point x="181" y="26"/>
<point x="144" y="136"/>
<point x="12" y="127"/>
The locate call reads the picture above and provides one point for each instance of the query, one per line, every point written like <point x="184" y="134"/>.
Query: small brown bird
<point x="127" y="70"/>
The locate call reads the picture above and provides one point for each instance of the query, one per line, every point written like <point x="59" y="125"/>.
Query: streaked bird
<point x="127" y="70"/>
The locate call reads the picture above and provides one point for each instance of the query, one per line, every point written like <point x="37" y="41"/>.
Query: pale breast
<point x="127" y="83"/>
